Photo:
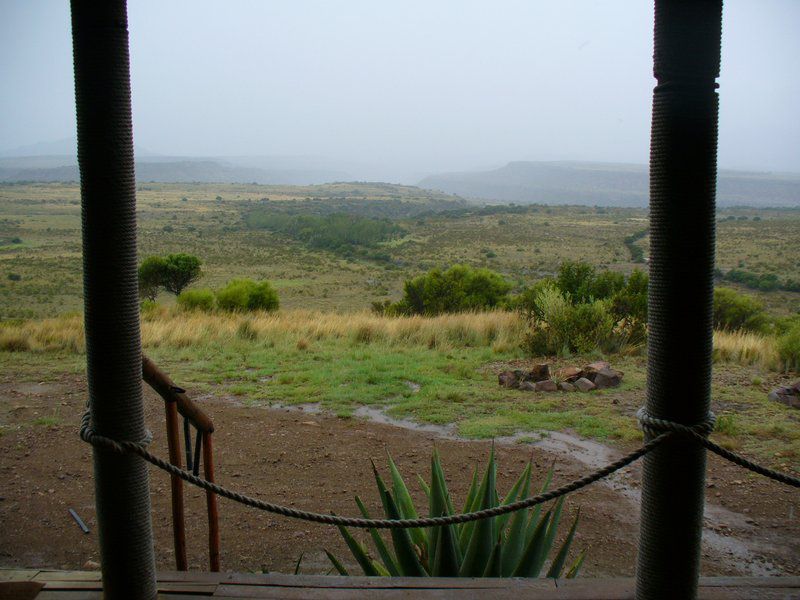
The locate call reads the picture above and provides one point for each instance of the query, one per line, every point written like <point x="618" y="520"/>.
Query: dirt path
<point x="319" y="462"/>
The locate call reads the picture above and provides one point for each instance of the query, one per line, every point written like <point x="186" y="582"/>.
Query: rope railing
<point x="664" y="430"/>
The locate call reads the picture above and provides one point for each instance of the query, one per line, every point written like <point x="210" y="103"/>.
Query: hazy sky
<point x="428" y="84"/>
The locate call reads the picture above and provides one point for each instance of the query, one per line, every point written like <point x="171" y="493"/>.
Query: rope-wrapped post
<point x="682" y="205"/>
<point x="111" y="305"/>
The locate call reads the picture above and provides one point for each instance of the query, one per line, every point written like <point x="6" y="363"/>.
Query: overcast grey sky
<point x="428" y="85"/>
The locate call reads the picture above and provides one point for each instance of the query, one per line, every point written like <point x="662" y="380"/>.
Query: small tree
<point x="180" y="271"/>
<point x="151" y="277"/>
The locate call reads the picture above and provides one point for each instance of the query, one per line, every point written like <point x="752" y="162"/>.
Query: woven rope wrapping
<point x="673" y="429"/>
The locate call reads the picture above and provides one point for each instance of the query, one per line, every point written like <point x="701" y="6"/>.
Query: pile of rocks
<point x="595" y="376"/>
<point x="788" y="395"/>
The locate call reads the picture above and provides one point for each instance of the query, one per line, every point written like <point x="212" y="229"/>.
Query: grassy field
<point x="438" y="370"/>
<point x="40" y="242"/>
<point x="324" y="347"/>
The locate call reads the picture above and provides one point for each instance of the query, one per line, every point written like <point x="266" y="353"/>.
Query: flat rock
<point x="547" y="385"/>
<point x="566" y="386"/>
<point x="584" y="385"/>
<point x="591" y="370"/>
<point x="569" y="374"/>
<point x="527" y="386"/>
<point x="607" y="378"/>
<point x="508" y="379"/>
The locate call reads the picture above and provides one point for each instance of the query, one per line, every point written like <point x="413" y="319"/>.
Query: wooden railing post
<point x="178" y="519"/>
<point x="211" y="504"/>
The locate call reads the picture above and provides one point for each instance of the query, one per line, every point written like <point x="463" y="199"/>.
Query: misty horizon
<point x="405" y="90"/>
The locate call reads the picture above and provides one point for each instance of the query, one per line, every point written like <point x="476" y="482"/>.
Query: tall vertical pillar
<point x="683" y="167"/>
<point x="111" y="300"/>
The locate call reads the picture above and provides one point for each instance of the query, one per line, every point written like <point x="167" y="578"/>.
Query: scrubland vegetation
<point x="354" y="295"/>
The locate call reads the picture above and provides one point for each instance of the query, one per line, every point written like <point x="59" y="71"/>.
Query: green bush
<point x="512" y="545"/>
<point x="560" y="327"/>
<point x="202" y="299"/>
<point x="583" y="311"/>
<point x="789" y="349"/>
<point x="734" y="311"/>
<point x="575" y="280"/>
<point x="245" y="294"/>
<point x="458" y="289"/>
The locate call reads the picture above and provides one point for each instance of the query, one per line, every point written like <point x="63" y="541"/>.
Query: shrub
<point x="575" y="279"/>
<point x="630" y="302"/>
<point x="789" y="349"/>
<point x="460" y="288"/>
<point x="202" y="299"/>
<point x="559" y="327"/>
<point x="246" y="294"/>
<point x="733" y="311"/>
<point x="513" y="545"/>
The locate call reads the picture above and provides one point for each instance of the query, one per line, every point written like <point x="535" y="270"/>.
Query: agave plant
<point x="511" y="545"/>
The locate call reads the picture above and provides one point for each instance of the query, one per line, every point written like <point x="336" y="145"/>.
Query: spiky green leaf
<point x="482" y="538"/>
<point x="573" y="571"/>
<point x="513" y="495"/>
<point x="337" y="565"/>
<point x="561" y="556"/>
<point x="359" y="553"/>
<point x="516" y="538"/>
<point x="534" y="551"/>
<point x="494" y="567"/>
<point x="404" y="502"/>
<point x="380" y="545"/>
<point x="446" y="561"/>
<point x="407" y="560"/>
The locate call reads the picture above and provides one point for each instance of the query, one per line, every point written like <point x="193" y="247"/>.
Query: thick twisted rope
<point x="656" y="426"/>
<point x="671" y="430"/>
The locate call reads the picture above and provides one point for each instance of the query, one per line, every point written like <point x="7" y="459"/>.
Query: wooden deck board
<point x="87" y="585"/>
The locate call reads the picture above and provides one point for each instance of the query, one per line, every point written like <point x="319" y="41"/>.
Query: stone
<point x="548" y="385"/>
<point x="786" y="395"/>
<point x="607" y="378"/>
<point x="539" y="372"/>
<point x="527" y="386"/>
<point x="91" y="565"/>
<point x="566" y="386"/>
<point x="584" y="385"/>
<point x="508" y="379"/>
<point x="590" y="370"/>
<point x="569" y="374"/>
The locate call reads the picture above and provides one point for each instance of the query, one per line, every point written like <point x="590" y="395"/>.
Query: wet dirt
<point x="311" y="460"/>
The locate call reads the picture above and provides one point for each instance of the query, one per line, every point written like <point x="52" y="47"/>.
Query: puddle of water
<point x="376" y="415"/>
<point x="587" y="452"/>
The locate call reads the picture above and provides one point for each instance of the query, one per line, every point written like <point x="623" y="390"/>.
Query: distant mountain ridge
<point x="166" y="169"/>
<point x="605" y="184"/>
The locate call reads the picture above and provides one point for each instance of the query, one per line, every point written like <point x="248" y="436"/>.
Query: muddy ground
<point x="318" y="462"/>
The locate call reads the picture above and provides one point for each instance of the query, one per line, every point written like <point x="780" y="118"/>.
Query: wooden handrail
<point x="166" y="388"/>
<point x="176" y="401"/>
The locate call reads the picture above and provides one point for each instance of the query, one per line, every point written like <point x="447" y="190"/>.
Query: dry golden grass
<point x="502" y="331"/>
<point x="745" y="348"/>
<point x="172" y="328"/>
